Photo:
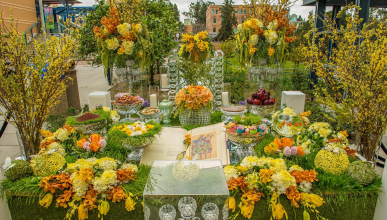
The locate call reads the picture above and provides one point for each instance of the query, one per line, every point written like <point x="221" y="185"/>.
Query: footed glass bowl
<point x="125" y="111"/>
<point x="261" y="109"/>
<point x="136" y="154"/>
<point x="286" y="124"/>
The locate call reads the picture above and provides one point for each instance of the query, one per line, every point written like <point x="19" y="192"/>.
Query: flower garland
<point x="193" y="98"/>
<point x="86" y="180"/>
<point x="196" y="48"/>
<point x="263" y="177"/>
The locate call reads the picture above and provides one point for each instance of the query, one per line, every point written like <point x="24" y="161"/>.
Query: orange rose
<point x="300" y="151"/>
<point x="81" y="142"/>
<point x="94" y="146"/>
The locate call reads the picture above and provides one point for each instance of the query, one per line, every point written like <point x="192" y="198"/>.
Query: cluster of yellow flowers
<point x="135" y="129"/>
<point x="46" y="163"/>
<point x="332" y="162"/>
<point x="113" y="114"/>
<point x="195" y="47"/>
<point x="256" y="175"/>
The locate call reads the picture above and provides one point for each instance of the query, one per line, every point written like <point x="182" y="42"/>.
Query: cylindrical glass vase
<point x="200" y="116"/>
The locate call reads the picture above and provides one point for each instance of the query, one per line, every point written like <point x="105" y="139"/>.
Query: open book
<point x="207" y="143"/>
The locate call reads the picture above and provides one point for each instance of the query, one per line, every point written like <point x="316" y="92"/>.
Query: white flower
<point x="281" y="181"/>
<point x="231" y="171"/>
<point x="240" y="26"/>
<point x="306" y="186"/>
<point x="130" y="166"/>
<point x="112" y="44"/>
<point x="128" y="46"/>
<point x="296" y="168"/>
<point x="61" y="134"/>
<point x="254" y="39"/>
<point x="272" y="25"/>
<point x="136" y="133"/>
<point x="271" y="36"/>
<point x="123" y="28"/>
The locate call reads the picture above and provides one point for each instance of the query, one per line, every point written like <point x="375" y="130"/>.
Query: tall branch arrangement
<point x="32" y="80"/>
<point x="353" y="80"/>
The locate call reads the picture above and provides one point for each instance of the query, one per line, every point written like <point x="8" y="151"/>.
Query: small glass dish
<point x="227" y="115"/>
<point x="155" y="117"/>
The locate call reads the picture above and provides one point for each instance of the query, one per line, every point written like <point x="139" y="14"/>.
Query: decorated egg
<point x="253" y="129"/>
<point x="262" y="128"/>
<point x="230" y="125"/>
<point x="247" y="130"/>
<point x="233" y="128"/>
<point x="240" y="129"/>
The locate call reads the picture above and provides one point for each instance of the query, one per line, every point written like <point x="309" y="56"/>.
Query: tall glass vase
<point x="200" y="116"/>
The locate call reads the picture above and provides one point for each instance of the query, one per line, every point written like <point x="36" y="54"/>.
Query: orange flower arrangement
<point x="64" y="198"/>
<point x="52" y="182"/>
<point x="90" y="198"/>
<point x="307" y="175"/>
<point x="193" y="97"/>
<point x="94" y="143"/>
<point x="251" y="197"/>
<point x="238" y="182"/>
<point x="116" y="194"/>
<point x="284" y="142"/>
<point x="293" y="195"/>
<point x="126" y="175"/>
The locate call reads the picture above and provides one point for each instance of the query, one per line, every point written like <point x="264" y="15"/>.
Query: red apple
<point x="272" y="100"/>
<point x="267" y="102"/>
<point x="256" y="102"/>
<point x="262" y="90"/>
<point x="261" y="96"/>
<point x="267" y="95"/>
<point x="254" y="95"/>
<point x="249" y="100"/>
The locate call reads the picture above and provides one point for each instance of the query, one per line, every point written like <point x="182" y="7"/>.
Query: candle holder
<point x="166" y="107"/>
<point x="173" y="79"/>
<point x="218" y="79"/>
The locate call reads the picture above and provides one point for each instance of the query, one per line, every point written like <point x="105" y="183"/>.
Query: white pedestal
<point x="4" y="211"/>
<point x="294" y="100"/>
<point x="381" y="206"/>
<point x="99" y="98"/>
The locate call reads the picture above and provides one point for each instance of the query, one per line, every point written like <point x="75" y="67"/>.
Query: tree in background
<point x="229" y="21"/>
<point x="197" y="11"/>
<point x="161" y="20"/>
<point x="177" y="12"/>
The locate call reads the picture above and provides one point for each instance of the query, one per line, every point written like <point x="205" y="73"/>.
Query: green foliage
<point x="195" y="74"/>
<point x="229" y="21"/>
<point x="248" y="120"/>
<point x="88" y="45"/>
<point x="362" y="172"/>
<point x="160" y="18"/>
<point x="20" y="170"/>
<point x="54" y="122"/>
<point x="236" y="77"/>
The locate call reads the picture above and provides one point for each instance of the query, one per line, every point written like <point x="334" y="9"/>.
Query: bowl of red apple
<point x="260" y="103"/>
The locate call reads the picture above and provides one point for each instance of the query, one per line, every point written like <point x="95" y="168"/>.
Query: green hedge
<point x="356" y="208"/>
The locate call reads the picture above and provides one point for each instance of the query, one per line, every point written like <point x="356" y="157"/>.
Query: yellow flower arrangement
<point x="193" y="98"/>
<point x="135" y="129"/>
<point x="44" y="163"/>
<point x="335" y="163"/>
<point x="196" y="48"/>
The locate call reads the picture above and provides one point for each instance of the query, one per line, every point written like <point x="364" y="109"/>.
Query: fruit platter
<point x="127" y="105"/>
<point x="260" y="103"/>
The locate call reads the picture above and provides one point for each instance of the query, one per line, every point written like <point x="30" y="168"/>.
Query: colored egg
<point x="247" y="130"/>
<point x="262" y="128"/>
<point x="253" y="131"/>
<point x="240" y="129"/>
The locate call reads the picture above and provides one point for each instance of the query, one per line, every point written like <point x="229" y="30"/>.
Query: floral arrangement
<point x="267" y="177"/>
<point x="113" y="114"/>
<point x="53" y="142"/>
<point x="119" y="37"/>
<point x="265" y="35"/>
<point x="94" y="143"/>
<point x="194" y="98"/>
<point x="88" y="184"/>
<point x="135" y="133"/>
<point x="285" y="146"/>
<point x="196" y="48"/>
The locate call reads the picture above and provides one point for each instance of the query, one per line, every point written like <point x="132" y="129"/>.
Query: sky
<point x="183" y="5"/>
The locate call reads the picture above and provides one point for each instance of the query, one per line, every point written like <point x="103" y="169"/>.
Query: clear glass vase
<point x="287" y="123"/>
<point x="200" y="116"/>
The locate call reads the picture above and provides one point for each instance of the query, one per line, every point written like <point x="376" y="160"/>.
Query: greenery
<point x="54" y="122"/>
<point x="228" y="49"/>
<point x="248" y="120"/>
<point x="229" y="21"/>
<point x="19" y="170"/>
<point x="159" y="18"/>
<point x="236" y="76"/>
<point x="104" y="116"/>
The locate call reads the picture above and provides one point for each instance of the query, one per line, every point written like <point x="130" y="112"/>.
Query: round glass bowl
<point x="136" y="154"/>
<point x="155" y="117"/>
<point x="230" y="113"/>
<point x="287" y="123"/>
<point x="126" y="110"/>
<point x="261" y="109"/>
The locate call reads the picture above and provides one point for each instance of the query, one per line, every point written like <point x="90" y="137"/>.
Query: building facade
<point x="214" y="17"/>
<point x="23" y="11"/>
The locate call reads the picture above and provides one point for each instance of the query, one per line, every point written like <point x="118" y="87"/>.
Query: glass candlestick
<point x="166" y="107"/>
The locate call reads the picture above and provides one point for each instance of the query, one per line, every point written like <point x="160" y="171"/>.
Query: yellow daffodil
<point x="46" y="200"/>
<point x="246" y="210"/>
<point x="129" y="204"/>
<point x="242" y="169"/>
<point x="82" y="212"/>
<point x="104" y="207"/>
<point x="231" y="204"/>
